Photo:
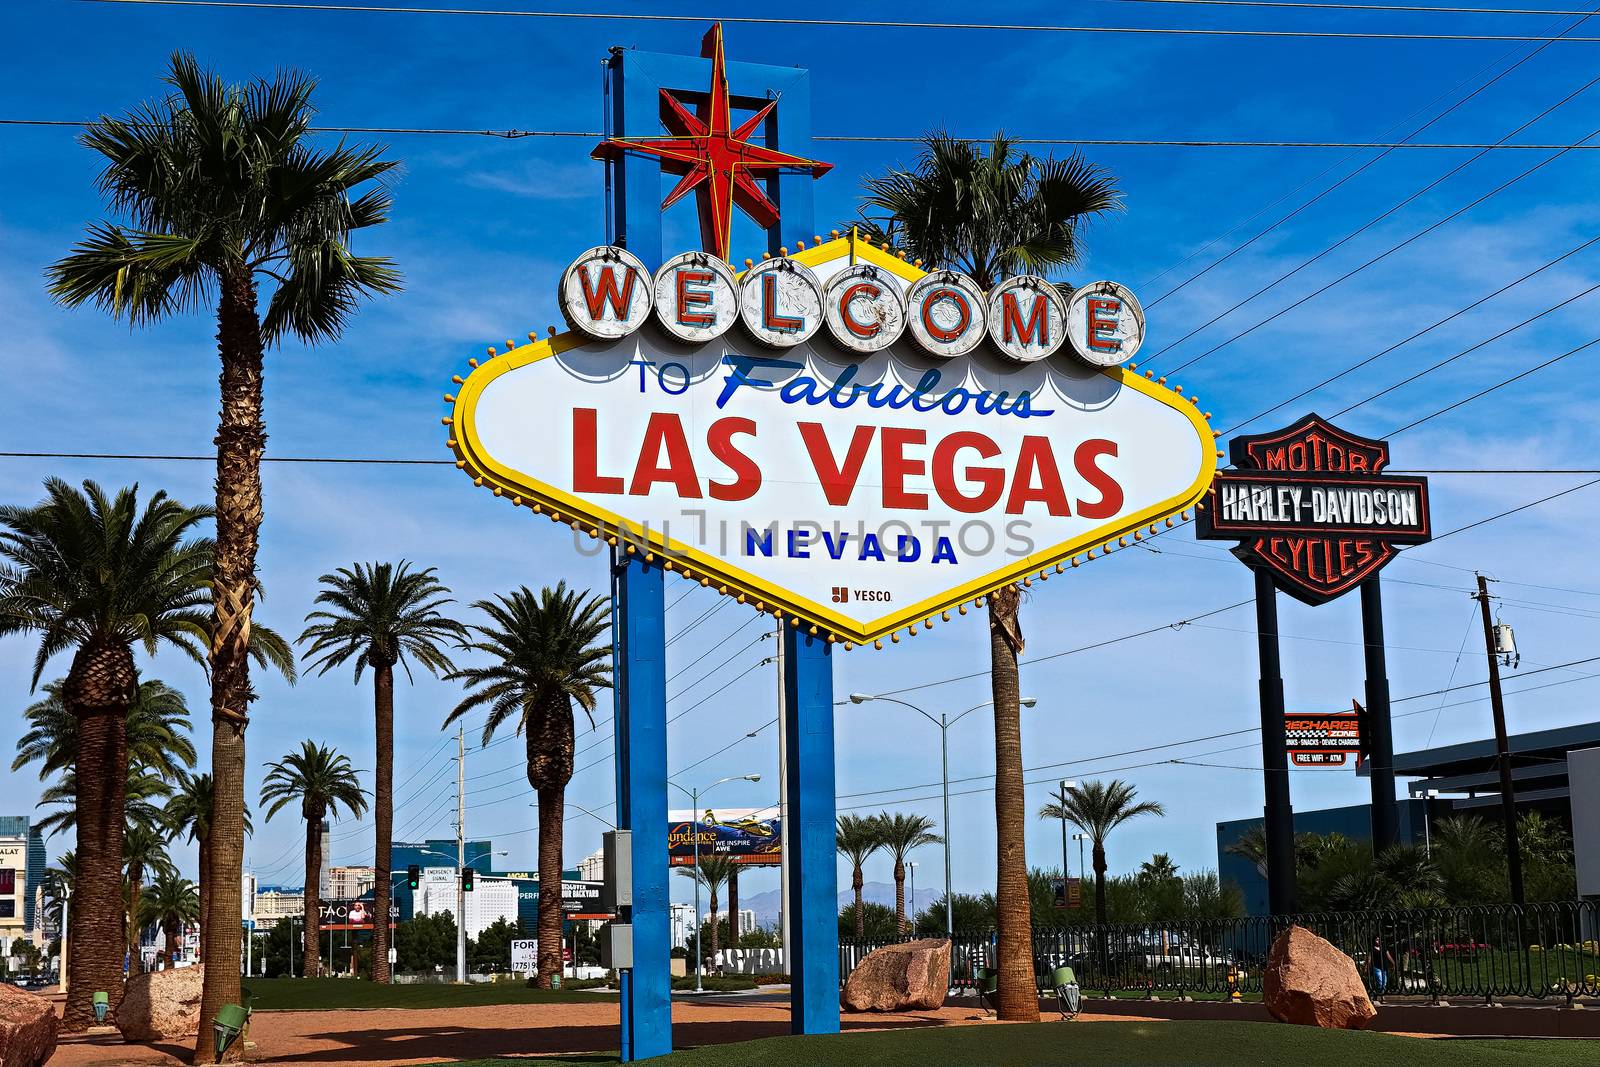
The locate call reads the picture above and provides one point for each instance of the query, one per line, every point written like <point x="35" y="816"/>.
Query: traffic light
<point x="466" y="879"/>
<point x="413" y="876"/>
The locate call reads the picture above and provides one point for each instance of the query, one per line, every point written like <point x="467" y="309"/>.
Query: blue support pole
<point x="813" y="877"/>
<point x="641" y="740"/>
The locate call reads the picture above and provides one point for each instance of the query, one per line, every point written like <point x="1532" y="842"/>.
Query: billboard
<point x="342" y="913"/>
<point x="744" y="835"/>
<point x="1324" y="740"/>
<point x="830" y="436"/>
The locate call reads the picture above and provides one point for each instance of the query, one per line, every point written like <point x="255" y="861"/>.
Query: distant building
<point x="682" y="918"/>
<point x="247" y="895"/>
<point x="592" y="868"/>
<point x="490" y="900"/>
<point x="433" y="853"/>
<point x="327" y="855"/>
<point x="747" y="921"/>
<point x="274" y="905"/>
<point x="350" y="882"/>
<point x="22" y="862"/>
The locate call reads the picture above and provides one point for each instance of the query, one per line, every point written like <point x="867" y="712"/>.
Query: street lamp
<point x="1066" y="868"/>
<point x="694" y="817"/>
<point x="1080" y="839"/>
<point x="943" y="722"/>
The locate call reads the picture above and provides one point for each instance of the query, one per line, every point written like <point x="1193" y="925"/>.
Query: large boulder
<point x="909" y="977"/>
<point x="28" y="1028"/>
<point x="161" y="1005"/>
<point x="1312" y="983"/>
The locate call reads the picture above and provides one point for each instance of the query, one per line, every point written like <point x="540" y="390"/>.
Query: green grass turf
<point x="1117" y="1044"/>
<point x="312" y="994"/>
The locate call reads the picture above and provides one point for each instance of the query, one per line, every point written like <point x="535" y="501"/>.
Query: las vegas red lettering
<point x="891" y="458"/>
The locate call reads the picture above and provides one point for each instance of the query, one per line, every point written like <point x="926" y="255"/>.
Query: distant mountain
<point x="767" y="905"/>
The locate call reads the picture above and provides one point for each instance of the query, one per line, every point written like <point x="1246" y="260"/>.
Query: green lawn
<point x="1116" y="1044"/>
<point x="309" y="994"/>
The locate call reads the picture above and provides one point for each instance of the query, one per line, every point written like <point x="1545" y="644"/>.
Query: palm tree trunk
<point x="899" y="896"/>
<point x="1099" y="884"/>
<point x="172" y="944"/>
<point x="313" y="895"/>
<point x="241" y="439"/>
<point x="205" y="889"/>
<point x="733" y="908"/>
<point x="135" y="888"/>
<point x="552" y="805"/>
<point x="861" y="915"/>
<point x="1018" y="989"/>
<point x="714" y="945"/>
<point x="382" y="816"/>
<point x="100" y="689"/>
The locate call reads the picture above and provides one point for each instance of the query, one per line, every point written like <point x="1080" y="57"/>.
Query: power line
<point x="1368" y="225"/>
<point x="1415" y="8"/>
<point x="1407" y="340"/>
<point x="1498" y="385"/>
<point x="875" y="24"/>
<point x="1480" y="88"/>
<point x="1090" y="142"/>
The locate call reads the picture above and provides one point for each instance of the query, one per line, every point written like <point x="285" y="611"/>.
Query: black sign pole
<point x="1379" y="739"/>
<point x="1279" y="812"/>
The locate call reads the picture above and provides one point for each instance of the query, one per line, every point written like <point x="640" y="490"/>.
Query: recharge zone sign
<point x="789" y="436"/>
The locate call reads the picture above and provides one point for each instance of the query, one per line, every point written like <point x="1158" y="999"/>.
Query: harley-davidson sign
<point x="827" y="438"/>
<point x="1309" y="504"/>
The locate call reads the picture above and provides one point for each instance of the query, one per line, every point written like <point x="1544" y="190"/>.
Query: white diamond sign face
<point x="861" y="493"/>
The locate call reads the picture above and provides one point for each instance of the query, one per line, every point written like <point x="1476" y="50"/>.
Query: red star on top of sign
<point x="714" y="159"/>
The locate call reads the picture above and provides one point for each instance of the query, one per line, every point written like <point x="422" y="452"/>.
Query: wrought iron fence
<point x="1487" y="952"/>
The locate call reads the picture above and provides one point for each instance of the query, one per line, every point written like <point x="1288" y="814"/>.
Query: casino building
<point x="1555" y="772"/>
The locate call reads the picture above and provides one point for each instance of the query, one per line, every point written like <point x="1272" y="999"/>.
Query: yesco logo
<point x="607" y="294"/>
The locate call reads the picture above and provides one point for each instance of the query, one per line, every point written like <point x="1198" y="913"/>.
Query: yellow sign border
<point x="523" y="489"/>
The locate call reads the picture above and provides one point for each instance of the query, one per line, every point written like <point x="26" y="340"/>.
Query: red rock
<point x="161" y="1005"/>
<point x="1311" y="983"/>
<point x="911" y="977"/>
<point x="28" y="1028"/>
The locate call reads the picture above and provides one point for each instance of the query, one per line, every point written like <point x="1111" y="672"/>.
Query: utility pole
<point x="1502" y="747"/>
<point x="461" y="854"/>
<point x="1278" y="811"/>
<point x="1066" y="868"/>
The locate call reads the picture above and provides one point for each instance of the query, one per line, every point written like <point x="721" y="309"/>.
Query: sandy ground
<point x="393" y="1036"/>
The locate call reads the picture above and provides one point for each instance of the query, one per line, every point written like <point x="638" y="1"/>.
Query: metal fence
<point x="1487" y="952"/>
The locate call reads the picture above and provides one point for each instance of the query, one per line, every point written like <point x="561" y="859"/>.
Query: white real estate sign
<point x="525" y="955"/>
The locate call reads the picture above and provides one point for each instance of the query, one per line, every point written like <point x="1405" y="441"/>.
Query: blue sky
<point x="482" y="227"/>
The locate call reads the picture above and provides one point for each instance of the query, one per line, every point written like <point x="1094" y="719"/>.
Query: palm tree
<point x="992" y="214"/>
<point x="900" y="835"/>
<point x="713" y="872"/>
<point x="1097" y="808"/>
<point x="222" y="189"/>
<point x="321" y="780"/>
<point x="1158" y="868"/>
<point x="171" y="902"/>
<point x="546" y="653"/>
<point x="140" y="797"/>
<point x="144" y="851"/>
<point x="188" y="813"/>
<point x="857" y="837"/>
<point x="157" y="731"/>
<point x="377" y="613"/>
<point x="94" y="574"/>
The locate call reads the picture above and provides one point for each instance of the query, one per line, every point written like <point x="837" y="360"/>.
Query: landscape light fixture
<point x="227" y="1026"/>
<point x="102" y="1005"/>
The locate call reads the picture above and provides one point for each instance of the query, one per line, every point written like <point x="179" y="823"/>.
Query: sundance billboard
<point x="831" y="436"/>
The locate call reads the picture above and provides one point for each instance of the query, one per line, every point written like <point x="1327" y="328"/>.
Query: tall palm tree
<point x="141" y="801"/>
<point x="991" y="214"/>
<point x="714" y="872"/>
<point x="856" y="838"/>
<point x="171" y="902"/>
<point x="546" y="652"/>
<point x="188" y="814"/>
<point x="377" y="613"/>
<point x="94" y="574"/>
<point x="144" y="851"/>
<point x="1097" y="808"/>
<point x="321" y="780"/>
<point x="900" y="835"/>
<point x="221" y="192"/>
